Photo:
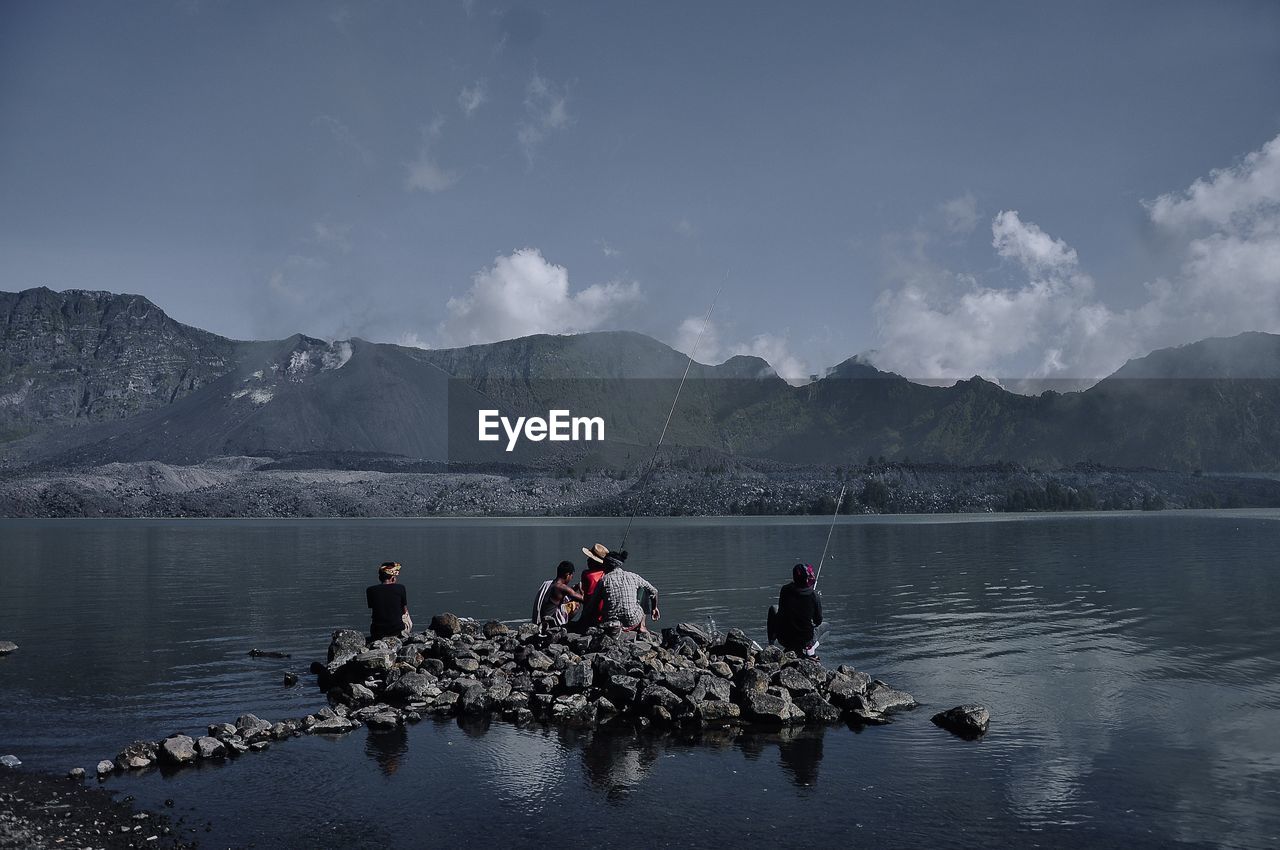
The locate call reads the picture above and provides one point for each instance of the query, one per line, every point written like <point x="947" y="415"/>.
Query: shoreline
<point x="40" y="811"/>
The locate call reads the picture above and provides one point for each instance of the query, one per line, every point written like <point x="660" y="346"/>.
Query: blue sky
<point x="1037" y="190"/>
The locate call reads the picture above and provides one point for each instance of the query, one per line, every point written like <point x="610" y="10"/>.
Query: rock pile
<point x="683" y="677"/>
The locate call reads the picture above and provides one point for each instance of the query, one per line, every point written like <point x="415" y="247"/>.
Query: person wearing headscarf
<point x="793" y="621"/>
<point x="388" y="603"/>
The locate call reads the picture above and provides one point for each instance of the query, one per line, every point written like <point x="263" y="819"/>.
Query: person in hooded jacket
<point x="794" y="620"/>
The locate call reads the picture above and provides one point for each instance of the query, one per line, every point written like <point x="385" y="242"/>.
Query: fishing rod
<point x="706" y="322"/>
<point x="831" y="528"/>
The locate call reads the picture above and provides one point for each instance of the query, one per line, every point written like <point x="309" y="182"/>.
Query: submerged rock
<point x="967" y="721"/>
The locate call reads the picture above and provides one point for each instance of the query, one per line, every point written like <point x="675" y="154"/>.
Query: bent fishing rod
<point x="830" y="528"/>
<point x="706" y="322"/>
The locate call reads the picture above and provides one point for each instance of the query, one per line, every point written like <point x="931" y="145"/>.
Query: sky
<point x="1021" y="191"/>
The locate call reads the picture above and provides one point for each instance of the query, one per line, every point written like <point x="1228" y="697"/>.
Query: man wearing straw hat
<point x="389" y="603"/>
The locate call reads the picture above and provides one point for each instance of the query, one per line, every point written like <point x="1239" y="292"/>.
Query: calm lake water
<point x="1131" y="664"/>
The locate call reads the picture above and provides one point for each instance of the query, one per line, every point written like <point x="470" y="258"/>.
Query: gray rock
<point x="765" y="708"/>
<point x="76" y="773"/>
<point x="736" y="644"/>
<point x="842" y="689"/>
<point x="719" y="668"/>
<point x="467" y="664"/>
<point x="716" y="711"/>
<point x="358" y="694"/>
<point x="622" y="690"/>
<point x="222" y="731"/>
<point x="384" y="720"/>
<point x="178" y="750"/>
<point x="136" y="756"/>
<point x="10" y="761"/>
<point x="660" y="702"/>
<point x="498" y="691"/>
<point x="816" y="709"/>
<point x="259" y="746"/>
<point x="710" y="688"/>
<point x="578" y="676"/>
<point x="105" y="768"/>
<point x="331" y="726"/>
<point x="680" y="681"/>
<point x="696" y="633"/>
<point x="493" y="629"/>
<point x="290" y="679"/>
<point x="794" y="681"/>
<point x="473" y="700"/>
<point x="368" y="664"/>
<point x="882" y="698"/>
<point x="210" y="748"/>
<point x="7" y="646"/>
<point x="446" y="625"/>
<point x="538" y="661"/>
<point x="967" y="721"/>
<point x="750" y="680"/>
<point x="345" y="645"/>
<point x="251" y="727"/>
<point x="770" y="655"/>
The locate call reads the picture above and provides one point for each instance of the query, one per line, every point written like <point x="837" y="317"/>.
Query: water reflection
<point x="387" y="748"/>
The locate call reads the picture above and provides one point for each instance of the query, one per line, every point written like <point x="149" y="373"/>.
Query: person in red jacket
<point x="592" y="593"/>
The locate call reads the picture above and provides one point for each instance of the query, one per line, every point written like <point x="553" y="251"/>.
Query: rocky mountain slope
<point x="139" y="386"/>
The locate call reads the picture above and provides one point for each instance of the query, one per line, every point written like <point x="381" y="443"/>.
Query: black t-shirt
<point x="387" y="602"/>
<point x="799" y="610"/>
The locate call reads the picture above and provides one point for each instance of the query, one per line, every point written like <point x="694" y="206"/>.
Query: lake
<point x="1131" y="663"/>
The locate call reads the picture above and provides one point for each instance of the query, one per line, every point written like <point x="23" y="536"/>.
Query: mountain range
<point x="96" y="377"/>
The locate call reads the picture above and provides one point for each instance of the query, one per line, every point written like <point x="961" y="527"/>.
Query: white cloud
<point x="938" y="325"/>
<point x="410" y="339"/>
<point x="960" y="215"/>
<point x="1030" y="246"/>
<point x="701" y="339"/>
<point x="546" y="107"/>
<point x="1224" y="231"/>
<point x="523" y="294"/>
<point x="472" y="97"/>
<point x="608" y="250"/>
<point x="425" y="173"/>
<point x="1231" y="199"/>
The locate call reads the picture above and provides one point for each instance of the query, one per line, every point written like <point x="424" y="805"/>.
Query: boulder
<point x="446" y="625"/>
<point x="7" y="646"/>
<point x="493" y="629"/>
<point x="680" y="681"/>
<point x="710" y="688"/>
<point x="655" y="697"/>
<point x="368" y="664"/>
<point x="882" y="698"/>
<point x="290" y="679"/>
<point x="10" y="761"/>
<point x="473" y="700"/>
<point x="967" y="721"/>
<point x="538" y="661"/>
<point x="816" y="709"/>
<point x="251" y="727"/>
<point x="736" y="644"/>
<point x="770" y="655"/>
<point x="345" y="645"/>
<point x="178" y="750"/>
<point x="760" y="707"/>
<point x="694" y="632"/>
<point x="622" y="690"/>
<point x="794" y="681"/>
<point x="331" y="726"/>
<point x="210" y="748"/>
<point x="357" y="694"/>
<point x="76" y="773"/>
<point x="105" y="768"/>
<point x="716" y="711"/>
<point x="842" y="689"/>
<point x="136" y="756"/>
<point x="578" y="676"/>
<point x="222" y="731"/>
<point x="750" y="680"/>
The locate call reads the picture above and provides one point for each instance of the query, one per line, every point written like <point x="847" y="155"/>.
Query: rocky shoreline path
<point x="683" y="678"/>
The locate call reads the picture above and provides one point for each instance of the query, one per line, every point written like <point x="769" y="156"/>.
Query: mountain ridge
<point x="91" y="377"/>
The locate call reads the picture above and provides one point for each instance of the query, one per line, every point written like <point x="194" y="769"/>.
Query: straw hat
<point x="596" y="552"/>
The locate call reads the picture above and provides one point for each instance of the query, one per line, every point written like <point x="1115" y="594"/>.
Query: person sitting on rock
<point x="622" y="591"/>
<point x="557" y="600"/>
<point x="389" y="603"/>
<point x="592" y="611"/>
<point x="792" y="622"/>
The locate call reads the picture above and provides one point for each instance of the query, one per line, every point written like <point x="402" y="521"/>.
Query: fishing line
<point x="830" y="529"/>
<point x="706" y="322"/>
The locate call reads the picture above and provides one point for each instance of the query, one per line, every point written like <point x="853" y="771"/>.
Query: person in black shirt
<point x="793" y="620"/>
<point x="389" y="603"/>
